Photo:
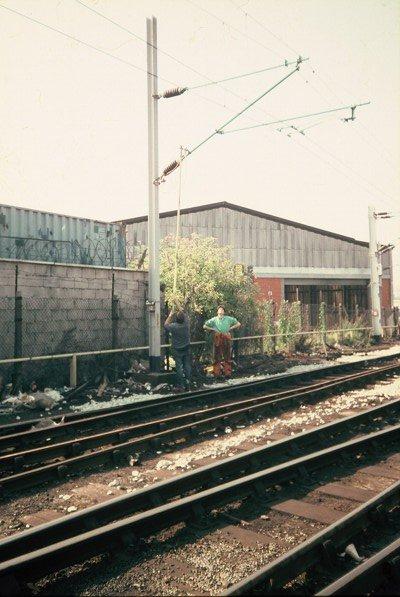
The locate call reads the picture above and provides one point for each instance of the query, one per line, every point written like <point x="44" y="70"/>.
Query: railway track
<point x="32" y="554"/>
<point x="381" y="568"/>
<point x="20" y="469"/>
<point x="324" y="549"/>
<point x="143" y="410"/>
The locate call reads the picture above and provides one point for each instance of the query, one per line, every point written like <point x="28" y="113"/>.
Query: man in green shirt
<point x="222" y="325"/>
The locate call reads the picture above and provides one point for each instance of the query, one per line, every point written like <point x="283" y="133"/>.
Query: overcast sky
<point x="74" y="120"/>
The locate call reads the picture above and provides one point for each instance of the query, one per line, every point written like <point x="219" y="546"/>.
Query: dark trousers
<point x="183" y="365"/>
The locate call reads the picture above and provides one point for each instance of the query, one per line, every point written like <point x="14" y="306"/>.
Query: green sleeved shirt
<point x="221" y="324"/>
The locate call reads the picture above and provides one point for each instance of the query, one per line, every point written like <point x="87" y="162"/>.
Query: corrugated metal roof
<point x="252" y="212"/>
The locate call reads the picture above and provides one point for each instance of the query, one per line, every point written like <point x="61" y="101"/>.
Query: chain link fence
<point x="31" y="327"/>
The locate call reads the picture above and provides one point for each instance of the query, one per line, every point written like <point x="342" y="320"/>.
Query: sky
<point x="73" y="119"/>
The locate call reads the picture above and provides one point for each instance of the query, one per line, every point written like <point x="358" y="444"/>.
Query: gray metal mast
<point x="374" y="279"/>
<point x="154" y="223"/>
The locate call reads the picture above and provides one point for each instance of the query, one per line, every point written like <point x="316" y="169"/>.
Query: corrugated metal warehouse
<point x="289" y="260"/>
<point x="34" y="235"/>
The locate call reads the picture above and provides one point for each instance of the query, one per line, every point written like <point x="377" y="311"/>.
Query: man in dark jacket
<point x="180" y="341"/>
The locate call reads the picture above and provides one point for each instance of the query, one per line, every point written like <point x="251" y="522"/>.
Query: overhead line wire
<point x="388" y="161"/>
<point x="334" y="167"/>
<point x="247" y="14"/>
<point x="262" y="45"/>
<point x="101" y="51"/>
<point x="105" y="17"/>
<point x="254" y="72"/>
<point x="333" y="93"/>
<point x="211" y="81"/>
<point x="176" y="163"/>
<point x="295" y="118"/>
<point x="220" y="129"/>
<point x="108" y="54"/>
<point x="231" y="27"/>
<point x="80" y="41"/>
<point x="350" y="168"/>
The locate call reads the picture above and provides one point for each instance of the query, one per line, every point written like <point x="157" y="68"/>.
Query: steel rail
<point x="145" y="407"/>
<point x="321" y="547"/>
<point x="35" y="435"/>
<point x="31" y="436"/>
<point x="216" y="477"/>
<point x="17" y="460"/>
<point x="41" y="562"/>
<point x="369" y="574"/>
<point x="59" y="470"/>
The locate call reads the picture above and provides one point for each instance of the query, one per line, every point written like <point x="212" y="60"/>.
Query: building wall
<point x="41" y="236"/>
<point x="257" y="241"/>
<point x="271" y="289"/>
<point x="68" y="307"/>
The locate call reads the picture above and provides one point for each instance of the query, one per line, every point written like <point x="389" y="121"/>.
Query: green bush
<point x="269" y="327"/>
<point x="288" y="325"/>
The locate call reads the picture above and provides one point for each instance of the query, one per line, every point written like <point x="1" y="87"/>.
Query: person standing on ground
<point x="180" y="342"/>
<point x="222" y="325"/>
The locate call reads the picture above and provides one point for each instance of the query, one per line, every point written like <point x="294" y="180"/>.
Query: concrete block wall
<point x="67" y="308"/>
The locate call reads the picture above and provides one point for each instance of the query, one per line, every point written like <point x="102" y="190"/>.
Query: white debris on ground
<point x="45" y="400"/>
<point x="137" y="398"/>
<point x="374" y="354"/>
<point x="296" y="420"/>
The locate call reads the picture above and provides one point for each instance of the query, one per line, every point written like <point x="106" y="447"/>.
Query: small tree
<point x="206" y="278"/>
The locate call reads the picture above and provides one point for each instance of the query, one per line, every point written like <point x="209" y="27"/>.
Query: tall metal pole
<point x="154" y="224"/>
<point x="374" y="279"/>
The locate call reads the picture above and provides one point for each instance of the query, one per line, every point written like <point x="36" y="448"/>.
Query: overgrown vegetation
<point x="207" y="277"/>
<point x="352" y="333"/>
<point x="288" y="325"/>
<point x="269" y="343"/>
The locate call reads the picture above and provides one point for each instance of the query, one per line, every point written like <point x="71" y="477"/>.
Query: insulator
<point x="174" y="92"/>
<point x="170" y="168"/>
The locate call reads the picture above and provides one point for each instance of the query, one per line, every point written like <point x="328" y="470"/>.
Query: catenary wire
<point x="176" y="163"/>
<point x="350" y="168"/>
<point x="231" y="27"/>
<point x="219" y="129"/>
<point x="247" y="14"/>
<point x="80" y="41"/>
<point x="254" y="72"/>
<point x="101" y="51"/>
<point x="295" y="118"/>
<point x="333" y="93"/>
<point x="334" y="167"/>
<point x="122" y="27"/>
<point x="255" y="41"/>
<point x="104" y="52"/>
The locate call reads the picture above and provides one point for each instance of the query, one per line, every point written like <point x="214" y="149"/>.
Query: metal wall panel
<point x="76" y="240"/>
<point x="261" y="242"/>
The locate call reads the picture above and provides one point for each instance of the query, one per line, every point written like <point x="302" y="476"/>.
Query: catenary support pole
<point x="153" y="302"/>
<point x="374" y="279"/>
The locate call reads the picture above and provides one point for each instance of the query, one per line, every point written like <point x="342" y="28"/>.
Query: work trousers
<point x="183" y="365"/>
<point x="222" y="355"/>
